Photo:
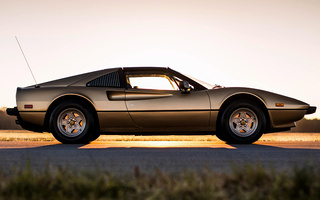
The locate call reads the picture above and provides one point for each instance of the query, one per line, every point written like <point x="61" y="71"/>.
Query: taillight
<point x="28" y="106"/>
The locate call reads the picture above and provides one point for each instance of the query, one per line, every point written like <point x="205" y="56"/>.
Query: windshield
<point x="207" y="85"/>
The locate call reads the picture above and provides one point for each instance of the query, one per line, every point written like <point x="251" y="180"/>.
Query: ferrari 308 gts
<point x="151" y="100"/>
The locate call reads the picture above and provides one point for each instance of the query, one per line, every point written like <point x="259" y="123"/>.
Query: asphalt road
<point x="169" y="156"/>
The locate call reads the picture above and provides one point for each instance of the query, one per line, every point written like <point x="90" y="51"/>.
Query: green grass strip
<point x="248" y="182"/>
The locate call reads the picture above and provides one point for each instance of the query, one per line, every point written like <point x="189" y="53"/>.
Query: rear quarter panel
<point x="112" y="113"/>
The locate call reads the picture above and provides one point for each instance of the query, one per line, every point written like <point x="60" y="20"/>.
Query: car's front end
<point x="282" y="112"/>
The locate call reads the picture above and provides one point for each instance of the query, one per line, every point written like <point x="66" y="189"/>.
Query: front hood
<point x="270" y="99"/>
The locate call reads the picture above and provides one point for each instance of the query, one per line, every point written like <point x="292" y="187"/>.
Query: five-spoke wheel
<point x="242" y="122"/>
<point x="72" y="122"/>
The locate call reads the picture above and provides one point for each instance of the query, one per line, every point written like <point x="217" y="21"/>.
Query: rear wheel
<point x="243" y="122"/>
<point x="220" y="136"/>
<point x="72" y="122"/>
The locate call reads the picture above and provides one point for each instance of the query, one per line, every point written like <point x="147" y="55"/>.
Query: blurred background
<point x="269" y="45"/>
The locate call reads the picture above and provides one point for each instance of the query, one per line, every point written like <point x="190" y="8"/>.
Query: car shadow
<point x="218" y="157"/>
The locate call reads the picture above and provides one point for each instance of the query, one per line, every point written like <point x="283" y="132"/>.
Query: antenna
<point x="37" y="86"/>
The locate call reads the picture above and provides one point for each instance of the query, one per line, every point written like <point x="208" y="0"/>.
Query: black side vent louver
<point x="108" y="80"/>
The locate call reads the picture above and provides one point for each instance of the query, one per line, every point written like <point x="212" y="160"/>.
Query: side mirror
<point x="184" y="87"/>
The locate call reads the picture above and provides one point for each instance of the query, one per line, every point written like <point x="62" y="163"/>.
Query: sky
<point x="272" y="45"/>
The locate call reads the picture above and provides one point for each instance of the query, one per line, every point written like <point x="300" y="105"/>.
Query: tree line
<point x="303" y="126"/>
<point x="307" y="126"/>
<point x="8" y="122"/>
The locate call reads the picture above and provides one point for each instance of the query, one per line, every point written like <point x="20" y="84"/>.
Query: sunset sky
<point x="270" y="45"/>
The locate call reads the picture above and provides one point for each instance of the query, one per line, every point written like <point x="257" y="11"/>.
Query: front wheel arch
<point x="243" y="97"/>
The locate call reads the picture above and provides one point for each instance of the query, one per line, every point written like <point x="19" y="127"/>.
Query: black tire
<point x="242" y="122"/>
<point x="72" y="123"/>
<point x="94" y="136"/>
<point x="220" y="135"/>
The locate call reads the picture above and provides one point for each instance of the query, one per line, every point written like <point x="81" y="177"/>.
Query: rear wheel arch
<point x="73" y="98"/>
<point x="243" y="97"/>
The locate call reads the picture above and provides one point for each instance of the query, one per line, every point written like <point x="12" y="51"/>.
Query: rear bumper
<point x="311" y="109"/>
<point x="25" y="125"/>
<point x="13" y="111"/>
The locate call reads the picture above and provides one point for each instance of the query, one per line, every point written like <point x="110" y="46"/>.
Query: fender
<point x="71" y="94"/>
<point x="242" y="93"/>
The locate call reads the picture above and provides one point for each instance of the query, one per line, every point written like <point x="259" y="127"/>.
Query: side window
<point x="151" y="81"/>
<point x="108" y="80"/>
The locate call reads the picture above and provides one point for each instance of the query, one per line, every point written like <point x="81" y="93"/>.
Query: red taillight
<point x="28" y="106"/>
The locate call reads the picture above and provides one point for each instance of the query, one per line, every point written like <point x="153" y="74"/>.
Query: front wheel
<point x="72" y="123"/>
<point x="243" y="122"/>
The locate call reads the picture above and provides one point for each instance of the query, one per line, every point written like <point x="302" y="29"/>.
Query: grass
<point x="249" y="182"/>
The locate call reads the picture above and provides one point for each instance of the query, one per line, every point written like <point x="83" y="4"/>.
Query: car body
<point x="151" y="100"/>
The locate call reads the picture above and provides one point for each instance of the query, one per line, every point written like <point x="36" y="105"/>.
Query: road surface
<point x="121" y="157"/>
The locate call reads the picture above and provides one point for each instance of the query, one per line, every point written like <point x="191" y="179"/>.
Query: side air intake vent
<point x="108" y="80"/>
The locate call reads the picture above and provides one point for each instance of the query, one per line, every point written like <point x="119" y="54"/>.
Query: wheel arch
<point x="247" y="97"/>
<point x="71" y="97"/>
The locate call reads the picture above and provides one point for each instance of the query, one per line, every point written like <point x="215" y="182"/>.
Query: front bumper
<point x="311" y="109"/>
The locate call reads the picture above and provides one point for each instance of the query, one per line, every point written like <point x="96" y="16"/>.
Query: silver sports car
<point x="151" y="100"/>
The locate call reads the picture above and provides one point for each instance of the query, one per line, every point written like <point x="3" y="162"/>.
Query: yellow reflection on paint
<point x="157" y="144"/>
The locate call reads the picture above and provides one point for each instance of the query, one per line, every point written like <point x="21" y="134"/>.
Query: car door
<point x="157" y="102"/>
<point x="108" y="94"/>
